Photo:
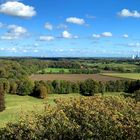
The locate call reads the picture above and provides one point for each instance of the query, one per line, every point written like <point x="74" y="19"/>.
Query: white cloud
<point x="14" y="32"/>
<point x="66" y="34"/>
<point x="96" y="35"/>
<point x="128" y="13"/>
<point x="104" y="34"/>
<point x="15" y="8"/>
<point x="107" y="34"/>
<point x="46" y="38"/>
<point x="49" y="26"/>
<point x="62" y="26"/>
<point x="137" y="44"/>
<point x="75" y="20"/>
<point x="125" y="36"/>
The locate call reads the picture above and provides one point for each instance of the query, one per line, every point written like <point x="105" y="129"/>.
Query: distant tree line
<point x="64" y="64"/>
<point x="88" y="87"/>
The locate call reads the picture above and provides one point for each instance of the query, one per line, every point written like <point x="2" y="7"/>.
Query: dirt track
<point x="72" y="77"/>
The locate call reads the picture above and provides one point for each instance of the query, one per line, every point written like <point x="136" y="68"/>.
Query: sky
<point x="70" y="28"/>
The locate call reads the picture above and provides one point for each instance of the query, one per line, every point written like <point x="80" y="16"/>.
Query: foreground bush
<point x="99" y="118"/>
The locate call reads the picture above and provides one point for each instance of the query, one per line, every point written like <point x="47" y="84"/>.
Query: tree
<point x="41" y="90"/>
<point x="5" y="84"/>
<point x="89" y="87"/>
<point x="3" y="73"/>
<point x="2" y="101"/>
<point x="25" y="87"/>
<point x="13" y="87"/>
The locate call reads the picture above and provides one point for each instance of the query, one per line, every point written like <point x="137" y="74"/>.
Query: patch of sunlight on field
<point x="135" y="76"/>
<point x="55" y="70"/>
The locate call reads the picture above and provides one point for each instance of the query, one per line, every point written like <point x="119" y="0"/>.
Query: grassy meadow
<point x="54" y="70"/>
<point x="15" y="105"/>
<point x="133" y="76"/>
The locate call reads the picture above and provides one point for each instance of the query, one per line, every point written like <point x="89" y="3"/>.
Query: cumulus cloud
<point x="128" y="13"/>
<point x="75" y="20"/>
<point x="46" y="38"/>
<point x="104" y="34"/>
<point x="14" y="32"/>
<point x="49" y="26"/>
<point x="15" y="8"/>
<point x="107" y="34"/>
<point x="66" y="34"/>
<point x="125" y="35"/>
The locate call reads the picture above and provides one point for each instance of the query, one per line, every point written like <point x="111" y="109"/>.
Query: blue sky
<point x="70" y="28"/>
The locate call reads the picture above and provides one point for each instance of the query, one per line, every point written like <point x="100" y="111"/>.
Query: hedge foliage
<point x="83" y="118"/>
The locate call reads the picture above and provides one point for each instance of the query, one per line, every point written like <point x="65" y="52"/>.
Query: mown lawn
<point x="134" y="76"/>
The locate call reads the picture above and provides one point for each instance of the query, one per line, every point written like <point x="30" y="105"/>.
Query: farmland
<point x="72" y="77"/>
<point x="54" y="70"/>
<point x="134" y="76"/>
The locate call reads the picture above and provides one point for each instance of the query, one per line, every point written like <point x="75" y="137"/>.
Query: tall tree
<point x="2" y="101"/>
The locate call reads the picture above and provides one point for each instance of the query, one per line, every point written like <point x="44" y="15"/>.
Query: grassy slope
<point x="16" y="104"/>
<point x="134" y="76"/>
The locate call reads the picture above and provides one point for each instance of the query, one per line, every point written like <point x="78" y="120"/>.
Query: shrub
<point x="100" y="118"/>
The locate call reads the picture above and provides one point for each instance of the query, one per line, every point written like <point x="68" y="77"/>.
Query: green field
<point x="54" y="70"/>
<point x="134" y="76"/>
<point x="16" y="104"/>
<point x="124" y="65"/>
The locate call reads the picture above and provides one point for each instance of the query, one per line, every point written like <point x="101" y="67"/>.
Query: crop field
<point x="72" y="77"/>
<point x="134" y="76"/>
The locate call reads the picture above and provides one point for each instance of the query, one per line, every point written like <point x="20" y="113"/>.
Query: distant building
<point x="135" y="57"/>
